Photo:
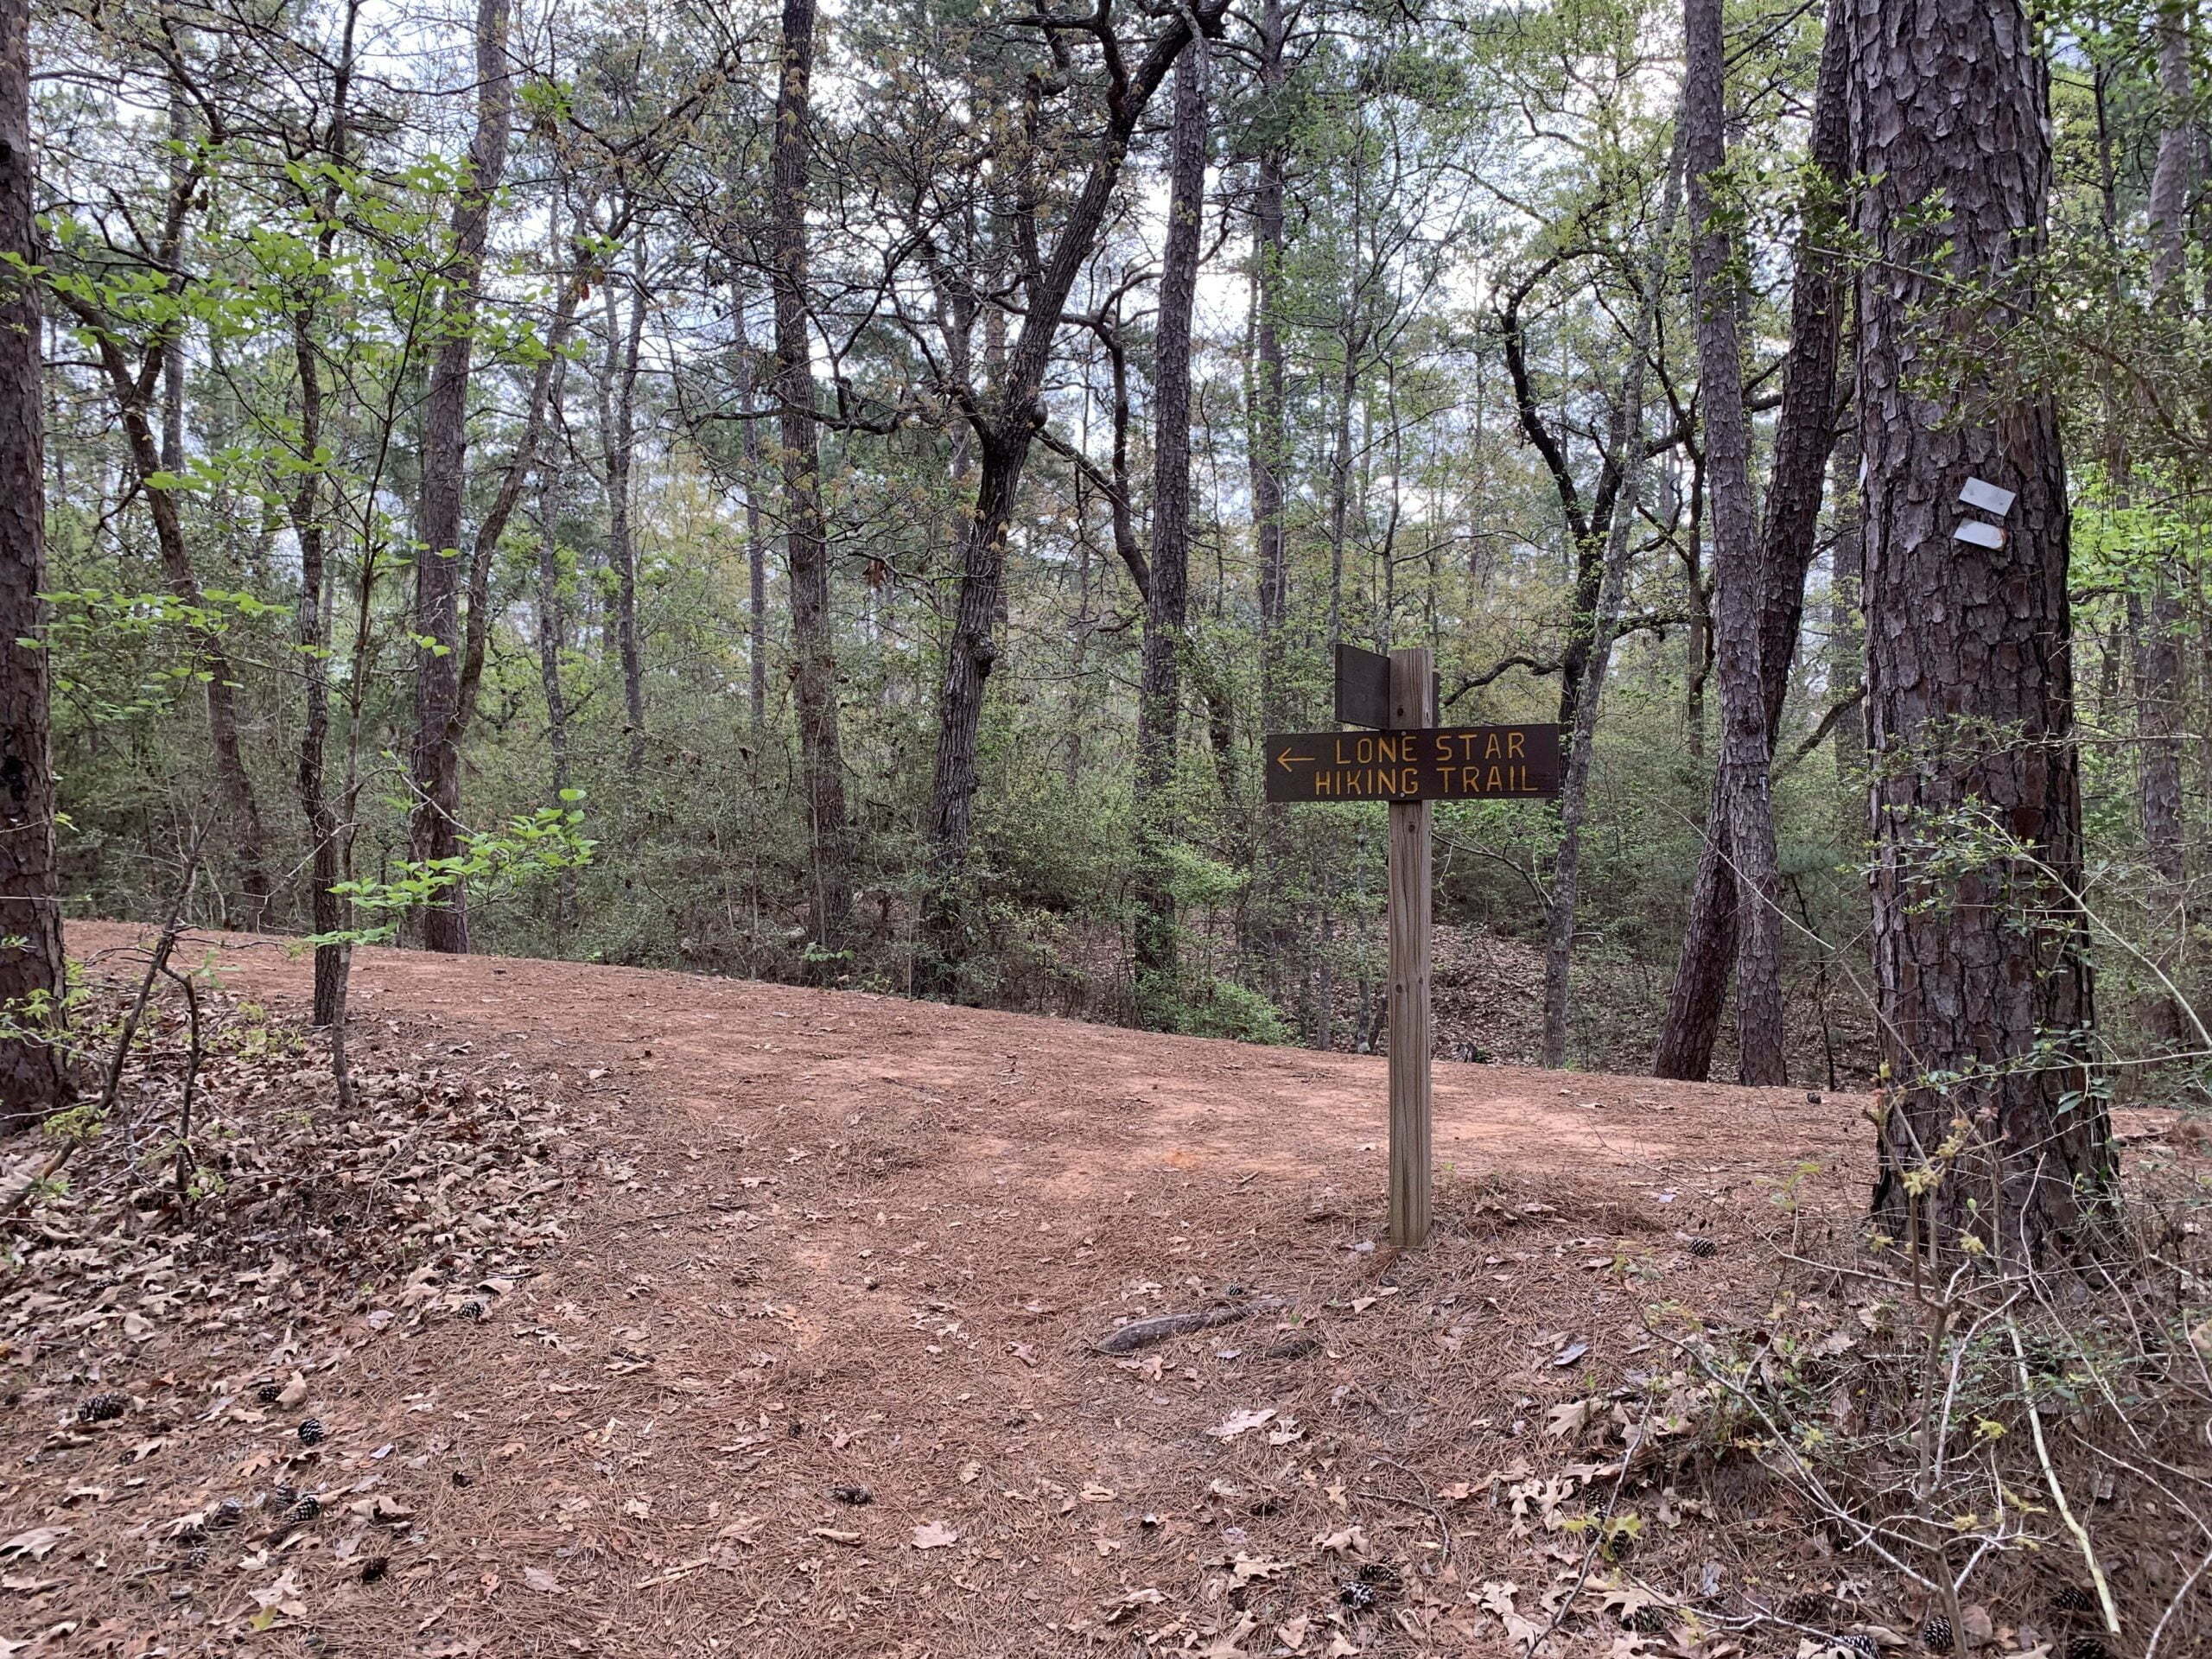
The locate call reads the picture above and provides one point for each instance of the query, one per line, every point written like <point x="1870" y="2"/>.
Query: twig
<point x="2058" y="1492"/>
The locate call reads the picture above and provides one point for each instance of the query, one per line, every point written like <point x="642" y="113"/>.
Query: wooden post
<point x="1411" y="705"/>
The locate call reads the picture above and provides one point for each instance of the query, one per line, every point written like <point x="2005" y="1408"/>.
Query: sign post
<point x="1413" y="708"/>
<point x="1408" y="762"/>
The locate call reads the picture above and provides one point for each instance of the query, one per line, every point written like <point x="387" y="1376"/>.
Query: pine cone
<point x="1648" y="1621"/>
<point x="228" y="1514"/>
<point x="375" y="1568"/>
<point x="1383" y="1576"/>
<point x="1805" y="1607"/>
<point x="1936" y="1635"/>
<point x="1704" y="1246"/>
<point x="307" y="1509"/>
<point x="283" y="1497"/>
<point x="2073" y="1599"/>
<point x="103" y="1407"/>
<point x="311" y="1431"/>
<point x="269" y="1393"/>
<point x="2086" y="1646"/>
<point x="1356" y="1596"/>
<point x="856" y="1495"/>
<point x="1860" y="1642"/>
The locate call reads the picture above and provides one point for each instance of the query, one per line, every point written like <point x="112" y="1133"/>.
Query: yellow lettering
<point x="1489" y="748"/>
<point x="1495" y="782"/>
<point x="1513" y="742"/>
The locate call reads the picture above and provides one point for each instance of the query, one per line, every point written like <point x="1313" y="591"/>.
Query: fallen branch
<point x="1143" y="1333"/>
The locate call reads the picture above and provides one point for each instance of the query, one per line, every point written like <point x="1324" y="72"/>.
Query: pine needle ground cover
<point x="637" y="1313"/>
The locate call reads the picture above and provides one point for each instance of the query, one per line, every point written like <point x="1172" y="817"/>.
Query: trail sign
<point x="1407" y="761"/>
<point x="1443" y="763"/>
<point x="1364" y="689"/>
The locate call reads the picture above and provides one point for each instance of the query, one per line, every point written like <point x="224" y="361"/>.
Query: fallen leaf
<point x="538" y="1579"/>
<point x="934" y="1534"/>
<point x="1128" y="1601"/>
<point x="1241" y="1423"/>
<point x="1569" y="1417"/>
<point x="36" y="1543"/>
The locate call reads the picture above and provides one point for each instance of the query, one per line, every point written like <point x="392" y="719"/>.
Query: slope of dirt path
<point x="835" y="1240"/>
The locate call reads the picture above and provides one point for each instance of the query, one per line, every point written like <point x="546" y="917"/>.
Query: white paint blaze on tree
<point x="1980" y="954"/>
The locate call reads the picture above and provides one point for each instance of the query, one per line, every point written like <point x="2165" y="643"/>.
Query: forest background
<point x="839" y="497"/>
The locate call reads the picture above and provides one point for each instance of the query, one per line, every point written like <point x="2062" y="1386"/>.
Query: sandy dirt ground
<point x="824" y="1247"/>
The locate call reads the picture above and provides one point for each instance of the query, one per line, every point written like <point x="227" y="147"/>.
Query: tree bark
<point x="33" y="1079"/>
<point x="1988" y="1129"/>
<point x="806" y="542"/>
<point x="435" y="830"/>
<point x="1160" y="692"/>
<point x="327" y="910"/>
<point x="1739" y="586"/>
<point x="618" y="405"/>
<point x="1269" y="437"/>
<point x="1804" y="436"/>
<point x="1006" y="421"/>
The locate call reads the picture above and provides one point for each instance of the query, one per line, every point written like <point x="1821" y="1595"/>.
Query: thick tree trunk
<point x="1006" y="421"/>
<point x="1159" y="693"/>
<point x="435" y="830"/>
<point x="33" y="1077"/>
<point x="1988" y="1130"/>
<point x="1739" y="586"/>
<point x="1627" y="441"/>
<point x="814" y="650"/>
<point x="1804" y="435"/>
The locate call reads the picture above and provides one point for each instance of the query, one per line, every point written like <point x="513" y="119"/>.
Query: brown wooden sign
<point x="1446" y="763"/>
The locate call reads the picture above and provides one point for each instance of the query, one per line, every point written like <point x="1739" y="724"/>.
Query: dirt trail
<point x="1062" y="1103"/>
<point x="838" y="1240"/>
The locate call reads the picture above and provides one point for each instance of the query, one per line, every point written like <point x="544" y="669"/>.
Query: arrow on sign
<point x="1286" y="758"/>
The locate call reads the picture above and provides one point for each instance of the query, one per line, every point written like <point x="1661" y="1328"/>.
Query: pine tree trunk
<point x="1739" y="586"/>
<point x="618" y="405"/>
<point x="806" y="537"/>
<point x="1159" y="693"/>
<point x="1804" y="435"/>
<point x="33" y="1079"/>
<point x="1982" y="974"/>
<point x="434" y="831"/>
<point x="1269" y="438"/>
